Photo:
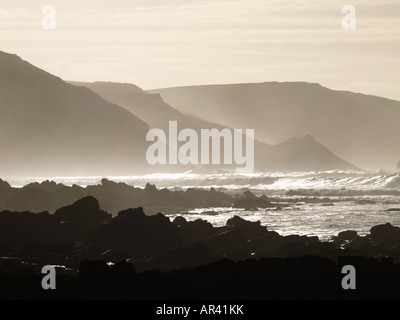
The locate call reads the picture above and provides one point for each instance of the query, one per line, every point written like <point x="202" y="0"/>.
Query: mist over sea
<point x="310" y="203"/>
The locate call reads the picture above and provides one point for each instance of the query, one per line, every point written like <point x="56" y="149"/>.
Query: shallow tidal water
<point x="310" y="219"/>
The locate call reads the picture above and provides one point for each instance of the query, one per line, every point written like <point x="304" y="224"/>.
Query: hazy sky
<point x="164" y="43"/>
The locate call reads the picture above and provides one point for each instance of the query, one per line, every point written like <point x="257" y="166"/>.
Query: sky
<point x="167" y="43"/>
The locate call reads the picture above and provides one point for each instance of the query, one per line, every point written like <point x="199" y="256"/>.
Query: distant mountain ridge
<point x="294" y="154"/>
<point x="151" y="108"/>
<point x="363" y="129"/>
<point x="48" y="126"/>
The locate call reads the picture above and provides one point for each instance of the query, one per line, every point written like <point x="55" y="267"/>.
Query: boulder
<point x="249" y="229"/>
<point x="85" y="211"/>
<point x="195" y="231"/>
<point x="134" y="232"/>
<point x="266" y="245"/>
<point x="250" y="202"/>
<point x="349" y="235"/>
<point x="179" y="221"/>
<point x="386" y="234"/>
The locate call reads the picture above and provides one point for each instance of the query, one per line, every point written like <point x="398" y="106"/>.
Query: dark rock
<point x="124" y="271"/>
<point x="239" y="222"/>
<point x="19" y="229"/>
<point x="4" y="186"/>
<point x="239" y="254"/>
<point x="134" y="232"/>
<point x="295" y="193"/>
<point x="395" y="255"/>
<point x="371" y="250"/>
<point x="150" y="188"/>
<point x="179" y="221"/>
<point x="358" y="242"/>
<point x="136" y="214"/>
<point x="85" y="211"/>
<point x="32" y="249"/>
<point x="113" y="197"/>
<point x="249" y="202"/>
<point x="93" y="270"/>
<point x="226" y="241"/>
<point x="323" y="249"/>
<point x="312" y="239"/>
<point x="386" y="234"/>
<point x="249" y="195"/>
<point x="267" y="245"/>
<point x="249" y="229"/>
<point x="189" y="256"/>
<point x="195" y="231"/>
<point x="293" y="249"/>
<point x="348" y="235"/>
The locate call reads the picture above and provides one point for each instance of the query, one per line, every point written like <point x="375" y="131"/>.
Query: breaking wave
<point x="274" y="181"/>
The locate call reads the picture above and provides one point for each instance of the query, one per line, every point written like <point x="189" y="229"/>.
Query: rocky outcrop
<point x="251" y="202"/>
<point x="85" y="211"/>
<point x="134" y="232"/>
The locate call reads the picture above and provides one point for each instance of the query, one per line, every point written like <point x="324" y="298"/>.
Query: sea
<point x="318" y="203"/>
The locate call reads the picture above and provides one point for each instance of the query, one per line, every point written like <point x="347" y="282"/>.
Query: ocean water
<point x="344" y="200"/>
<point x="310" y="219"/>
<point x="273" y="181"/>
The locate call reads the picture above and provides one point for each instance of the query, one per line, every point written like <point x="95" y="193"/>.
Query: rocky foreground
<point x="133" y="255"/>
